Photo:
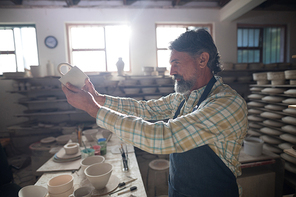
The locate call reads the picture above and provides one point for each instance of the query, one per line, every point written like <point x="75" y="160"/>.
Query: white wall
<point x="52" y="22"/>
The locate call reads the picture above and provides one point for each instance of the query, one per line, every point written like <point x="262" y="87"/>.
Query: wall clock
<point x="51" y="42"/>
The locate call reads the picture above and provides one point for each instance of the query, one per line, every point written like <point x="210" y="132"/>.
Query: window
<point x="166" y="33"/>
<point x="96" y="48"/>
<point x="260" y="44"/>
<point x="18" y="48"/>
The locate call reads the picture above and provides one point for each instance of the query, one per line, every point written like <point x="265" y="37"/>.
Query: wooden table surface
<point x="52" y="169"/>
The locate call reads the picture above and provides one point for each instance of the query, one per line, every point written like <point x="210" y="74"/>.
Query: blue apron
<point x="199" y="172"/>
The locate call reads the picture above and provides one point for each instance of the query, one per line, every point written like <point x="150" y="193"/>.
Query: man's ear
<point x="203" y="59"/>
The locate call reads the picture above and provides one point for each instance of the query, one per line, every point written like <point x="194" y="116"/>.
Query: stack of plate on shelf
<point x="273" y="90"/>
<point x="273" y="123"/>
<point x="273" y="99"/>
<point x="275" y="107"/>
<point x="271" y="115"/>
<point x="255" y="96"/>
<point x="256" y="89"/>
<point x="62" y="157"/>
<point x="290" y="92"/>
<point x="289" y="156"/>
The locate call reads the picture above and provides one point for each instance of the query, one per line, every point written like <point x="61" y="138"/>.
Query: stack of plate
<point x="271" y="115"/>
<point x="62" y="157"/>
<point x="273" y="99"/>
<point x="273" y="90"/>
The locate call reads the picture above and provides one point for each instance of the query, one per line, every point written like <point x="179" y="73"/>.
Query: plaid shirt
<point x="220" y="121"/>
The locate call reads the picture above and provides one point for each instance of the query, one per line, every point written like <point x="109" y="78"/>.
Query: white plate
<point x="273" y="99"/>
<point x="254" y="133"/>
<point x="270" y="140"/>
<point x="254" y="111"/>
<point x="255" y="96"/>
<point x="289" y="138"/>
<point x="254" y="125"/>
<point x="289" y="129"/>
<point x="288" y="158"/>
<point x="273" y="123"/>
<point x="285" y="145"/>
<point x="272" y="148"/>
<point x="290" y="92"/>
<point x="275" y="107"/>
<point x="289" y="119"/>
<point x="48" y="140"/>
<point x="270" y="131"/>
<point x="256" y="89"/>
<point x="255" y="118"/>
<point x="271" y="115"/>
<point x="289" y="111"/>
<point x="290" y="101"/>
<point x="273" y="90"/>
<point x="255" y="104"/>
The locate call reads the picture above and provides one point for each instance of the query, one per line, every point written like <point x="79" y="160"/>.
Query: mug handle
<point x="61" y="65"/>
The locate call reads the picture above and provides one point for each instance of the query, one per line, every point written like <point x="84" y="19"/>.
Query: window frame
<point x="69" y="48"/>
<point x="12" y="26"/>
<point x="261" y="38"/>
<point x="209" y="25"/>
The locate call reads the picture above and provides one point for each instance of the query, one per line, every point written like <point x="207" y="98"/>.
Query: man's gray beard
<point x="182" y="87"/>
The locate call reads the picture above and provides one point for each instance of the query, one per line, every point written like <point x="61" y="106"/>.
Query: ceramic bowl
<point x="60" y="184"/>
<point x="131" y="90"/>
<point x="71" y="148"/>
<point x="130" y="82"/>
<point x="82" y="192"/>
<point x="253" y="146"/>
<point x="63" y="139"/>
<point x="32" y="191"/>
<point x="91" y="160"/>
<point x="149" y="90"/>
<point x="90" y="134"/>
<point x="290" y="74"/>
<point x="146" y="81"/>
<point x="260" y="76"/>
<point x="163" y="81"/>
<point x="275" y="75"/>
<point x="166" y="89"/>
<point x="64" y="194"/>
<point x="99" y="174"/>
<point x="88" y="152"/>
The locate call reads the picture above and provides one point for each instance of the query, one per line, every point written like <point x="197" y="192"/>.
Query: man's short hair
<point x="197" y="42"/>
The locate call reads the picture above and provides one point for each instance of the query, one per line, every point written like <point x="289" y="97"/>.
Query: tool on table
<point x="117" y="191"/>
<point x="125" y="183"/>
<point x="124" y="159"/>
<point x="130" y="190"/>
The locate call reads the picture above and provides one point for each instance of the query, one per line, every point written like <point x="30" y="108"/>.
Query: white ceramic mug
<point x="74" y="76"/>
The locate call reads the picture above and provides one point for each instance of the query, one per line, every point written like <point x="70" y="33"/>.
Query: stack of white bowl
<point x="61" y="186"/>
<point x="291" y="75"/>
<point x="276" y="78"/>
<point x="261" y="78"/>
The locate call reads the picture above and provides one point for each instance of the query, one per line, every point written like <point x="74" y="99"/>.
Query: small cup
<point x="82" y="192"/>
<point x="60" y="184"/>
<point x="87" y="152"/>
<point x="71" y="148"/>
<point x="32" y="191"/>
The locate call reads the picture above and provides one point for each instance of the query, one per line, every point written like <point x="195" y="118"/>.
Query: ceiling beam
<point x="236" y="8"/>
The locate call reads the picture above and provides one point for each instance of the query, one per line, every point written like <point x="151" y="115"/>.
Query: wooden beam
<point x="223" y="2"/>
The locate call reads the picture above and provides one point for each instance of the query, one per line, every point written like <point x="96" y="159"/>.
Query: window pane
<point x="251" y="38"/>
<point x="6" y="40"/>
<point x="87" y="37"/>
<point x="89" y="61"/>
<point x="239" y="56"/>
<point x="7" y="63"/>
<point x="163" y="57"/>
<point x="245" y="56"/>
<point x="245" y="37"/>
<point x="117" y="45"/>
<point x="165" y="35"/>
<point x="256" y="37"/>
<point x="239" y="37"/>
<point x="26" y="47"/>
<point x="256" y="56"/>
